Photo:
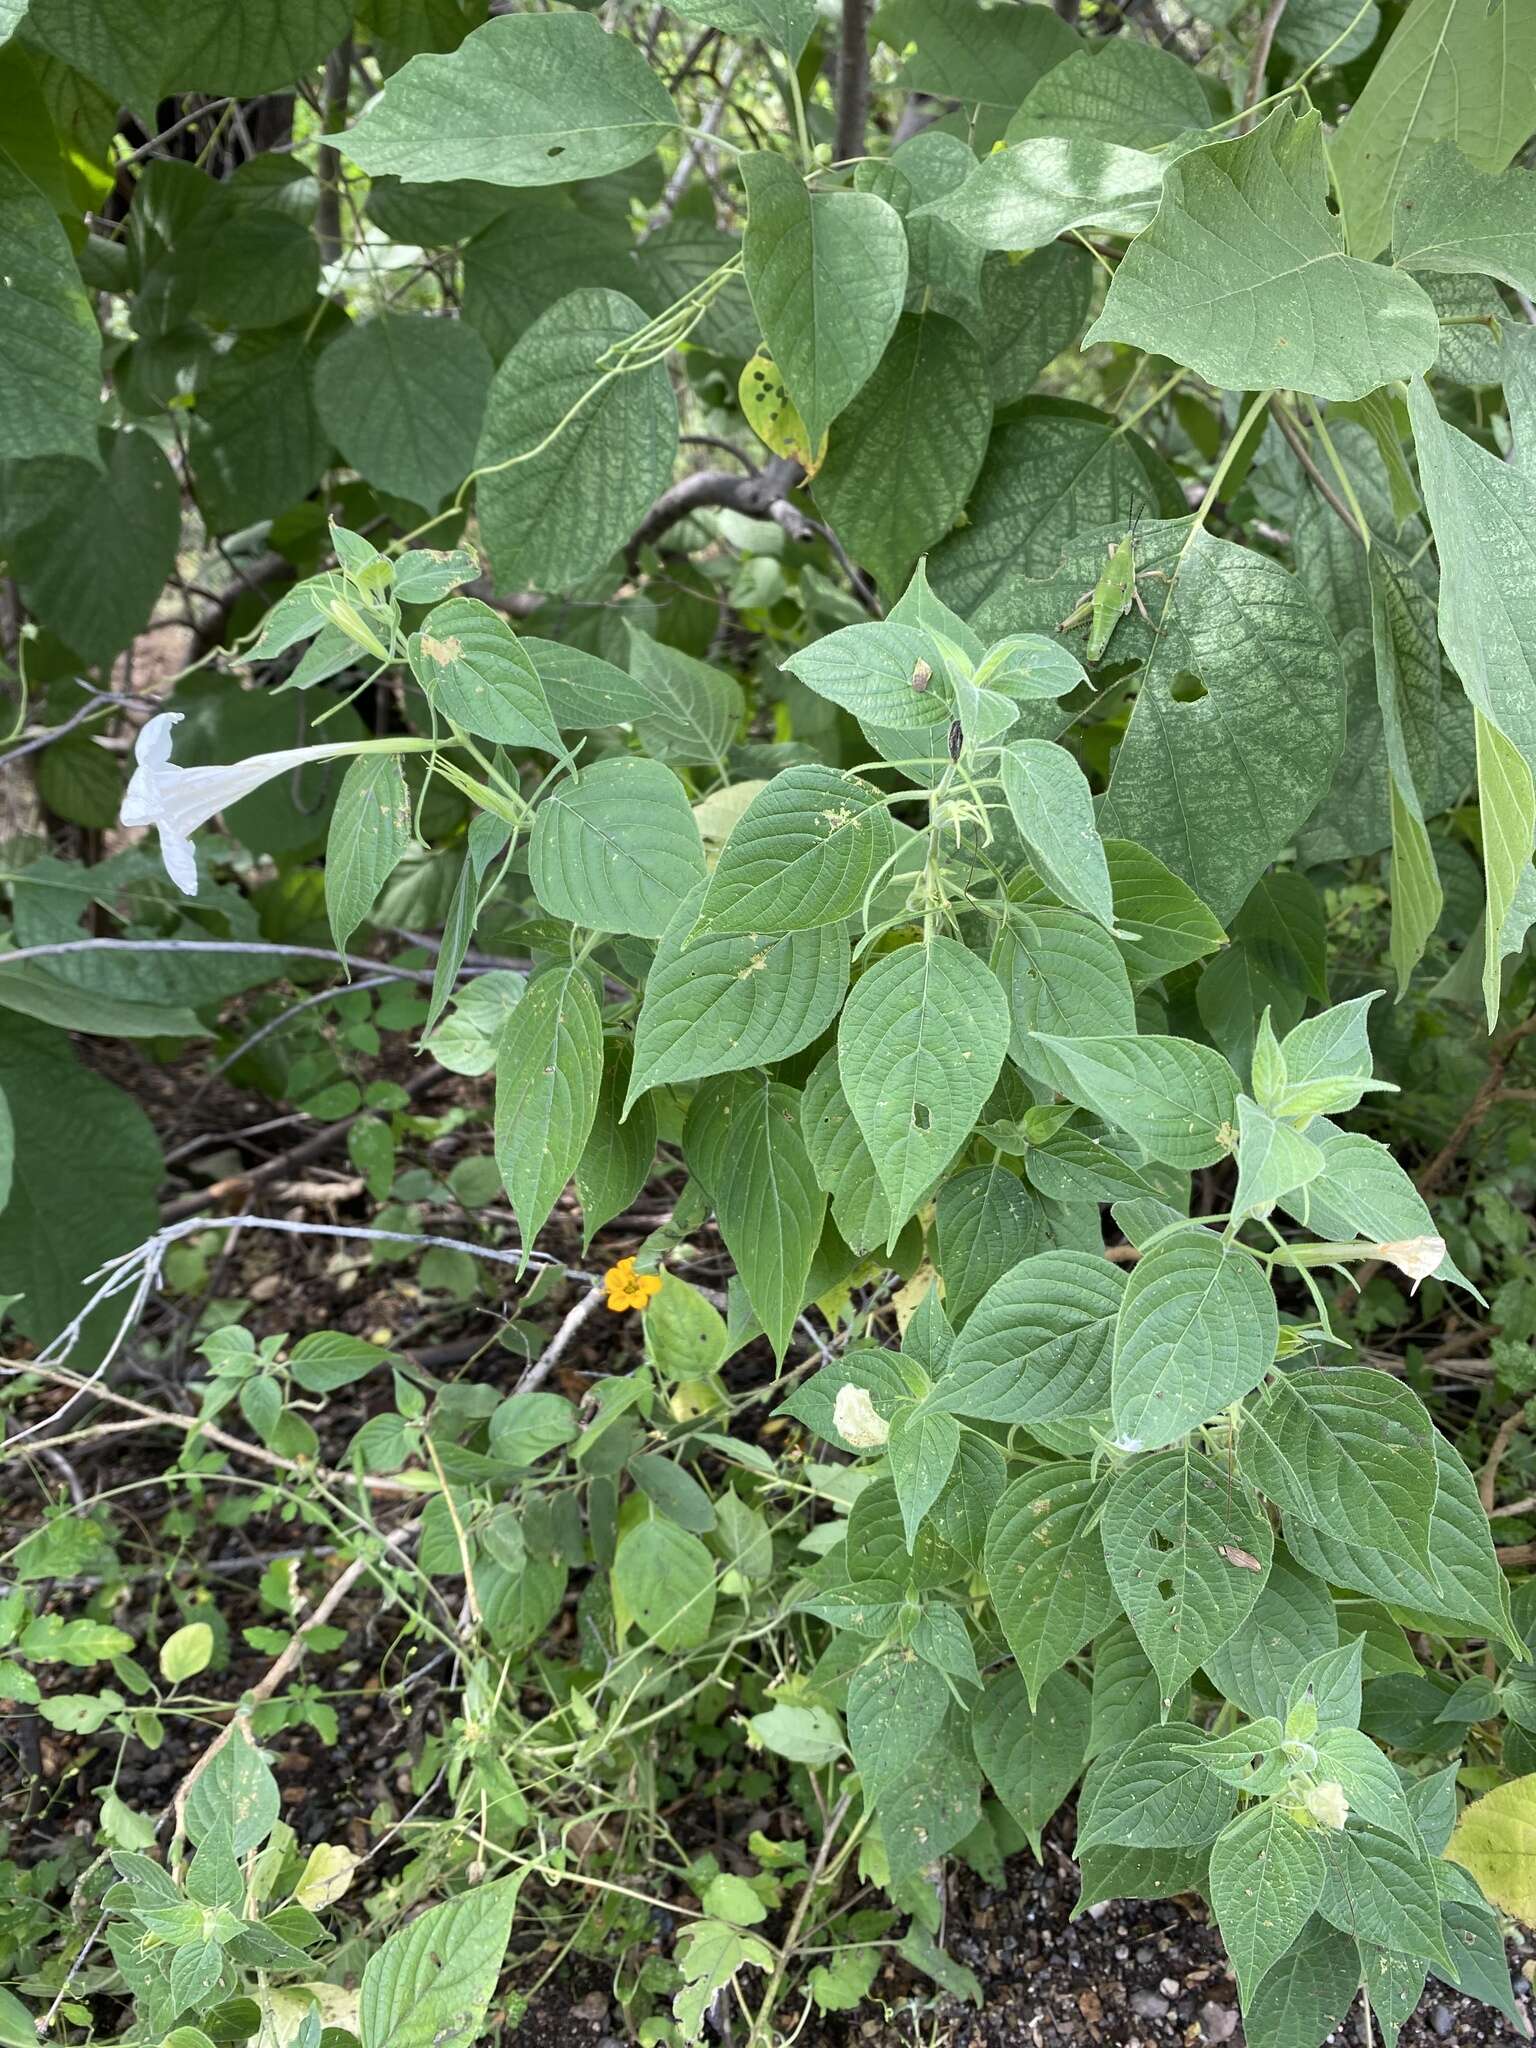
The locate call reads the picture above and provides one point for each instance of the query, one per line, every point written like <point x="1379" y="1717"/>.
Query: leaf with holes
<point x="477" y="673"/>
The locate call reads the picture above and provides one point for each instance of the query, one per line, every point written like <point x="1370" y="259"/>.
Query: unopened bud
<point x="1327" y="1805"/>
<point x="857" y="1420"/>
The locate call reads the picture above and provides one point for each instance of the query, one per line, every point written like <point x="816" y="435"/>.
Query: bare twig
<point x="759" y="496"/>
<point x="1320" y="483"/>
<point x="560" y="1343"/>
<point x="338" y="72"/>
<point x="58" y="948"/>
<point x="852" y="81"/>
<point x="1261" y="50"/>
<point x="1488" y="1478"/>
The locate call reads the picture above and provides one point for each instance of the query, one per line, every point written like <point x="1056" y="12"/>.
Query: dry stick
<point x="852" y="81"/>
<point x="560" y="1343"/>
<point x="1299" y="449"/>
<point x="1261" y="50"/>
<point x="1488" y="1479"/>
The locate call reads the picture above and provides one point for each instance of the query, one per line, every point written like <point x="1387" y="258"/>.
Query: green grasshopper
<point x="1110" y="598"/>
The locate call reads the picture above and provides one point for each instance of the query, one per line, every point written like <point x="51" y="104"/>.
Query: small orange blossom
<point x="628" y="1289"/>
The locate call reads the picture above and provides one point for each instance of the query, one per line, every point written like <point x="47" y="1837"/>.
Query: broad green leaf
<point x="617" y="848"/>
<point x="1160" y="922"/>
<point x="664" y="1581"/>
<point x="1036" y="1347"/>
<point x="1031" y="311"/>
<point x="257" y="444"/>
<point x="1467" y="1594"/>
<point x="1074" y="1165"/>
<point x="1352" y="1452"/>
<point x="949" y="49"/>
<point x="1368" y="1779"/>
<point x="370" y="830"/>
<point x="1243" y="276"/>
<point x="827" y="272"/>
<point x="1305" y="1996"/>
<point x="694" y="710"/>
<point x="1157" y="1794"/>
<point x="984" y="1221"/>
<point x="186" y="1651"/>
<point x="536" y="246"/>
<point x="1197" y="1330"/>
<point x="1327" y="1062"/>
<point x="1045" y="1570"/>
<point x="870" y="670"/>
<point x="1450" y="217"/>
<point x="903" y="457"/>
<point x="1408" y="691"/>
<point x="805" y="1735"/>
<point x="1052" y="472"/>
<point x="1417" y="95"/>
<point x="549" y="1069"/>
<point x="584" y="690"/>
<point x="1506" y="806"/>
<point x="577" y="452"/>
<point x="1273" y="1160"/>
<point x="528" y="99"/>
<point x="1064" y="976"/>
<point x="943" y="266"/>
<point x="896" y="1705"/>
<point x="1339" y="30"/>
<point x="717" y="1003"/>
<point x="1117" y="90"/>
<point x="931" y="1808"/>
<point x="805" y="852"/>
<point x="1237" y="724"/>
<point x="1052" y="806"/>
<point x="1032" y="1756"/>
<point x="1110" y="1873"/>
<point x="1363" y="1192"/>
<point x="787" y="24"/>
<point x="1475" y="1940"/>
<point x="1188" y="1551"/>
<point x="477" y="673"/>
<point x="878" y="1552"/>
<point x="237" y="1793"/>
<point x="970" y="1499"/>
<point x="403" y="397"/>
<point x="843" y="1162"/>
<point x="743" y="1141"/>
<point x="923" y="1445"/>
<point x="96" y="598"/>
<point x="920" y="1044"/>
<point x="140" y="51"/>
<point x="1266" y="1880"/>
<point x="1127" y="1698"/>
<point x="50" y="346"/>
<point x="1027" y="195"/>
<point x="1382" y="1891"/>
<point x="1178" y="1100"/>
<point x="619" y="1153"/>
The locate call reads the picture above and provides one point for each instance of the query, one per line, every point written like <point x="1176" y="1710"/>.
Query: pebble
<point x="1217" y="2022"/>
<point x="1149" y="2005"/>
<point x="1443" y="2020"/>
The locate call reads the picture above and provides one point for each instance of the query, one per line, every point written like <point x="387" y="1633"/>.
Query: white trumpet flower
<point x="176" y="801"/>
<point x="1417" y="1257"/>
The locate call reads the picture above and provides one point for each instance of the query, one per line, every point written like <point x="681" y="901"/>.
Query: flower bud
<point x="857" y="1420"/>
<point x="1327" y="1805"/>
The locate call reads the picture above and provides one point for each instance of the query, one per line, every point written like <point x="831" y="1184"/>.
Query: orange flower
<point x="628" y="1289"/>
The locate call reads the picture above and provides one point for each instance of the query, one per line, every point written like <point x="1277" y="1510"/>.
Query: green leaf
<point x="1237" y="724"/>
<point x="370" y="831"/>
<point x="1449" y="217"/>
<point x="929" y="1810"/>
<point x="1266" y="1880"/>
<point x="1045" y="1570"/>
<point x="1064" y="977"/>
<point x="1273" y="1160"/>
<point x="1475" y="1940"/>
<point x="694" y="711"/>
<point x="1160" y="922"/>
<point x="1363" y="1192"/>
<point x="477" y="673"/>
<point x="743" y="1141"/>
<point x="431" y="1984"/>
<point x="1467" y="1594"/>
<point x="549" y="1069"/>
<point x="664" y="1580"/>
<point x="878" y="1555"/>
<point x="1383" y="1891"/>
<point x="97" y="598"/>
<point x="805" y="852"/>
<point x="144" y="50"/>
<point x="1416" y="95"/>
<point x="949" y="49"/>
<point x="576" y="461"/>
<point x="1119" y="91"/>
<point x="539" y="246"/>
<point x="805" y="1735"/>
<point x="869" y="670"/>
<point x="1307" y="1993"/>
<point x="827" y="272"/>
<point x="616" y="849"/>
<point x="619" y="1153"/>
<point x="1127" y="1698"/>
<point x="921" y="1043"/>
<point x="403" y="398"/>
<point x="843" y="1162"/>
<point x="716" y="1004"/>
<point x="984" y="1219"/>
<point x="1327" y="1062"/>
<point x="1188" y="1551"/>
<point x="1157" y="1794"/>
<point x="50" y="346"/>
<point x="257" y="444"/>
<point x="1036" y="1347"/>
<point x="1030" y="312"/>
<point x="528" y="99"/>
<point x="922" y="1448"/>
<point x="896" y="1705"/>
<point x="1052" y="806"/>
<point x="1367" y="1778"/>
<point x="1351" y="1452"/>
<point x="526" y="1427"/>
<point x="1243" y="276"/>
<point x="906" y="452"/>
<point x="1506" y="803"/>
<point x="1033" y="1756"/>
<point x="1197" y="1330"/>
<point x="1025" y="196"/>
<point x="238" y="1793"/>
<point x="1178" y="1100"/>
<point x="186" y="1651"/>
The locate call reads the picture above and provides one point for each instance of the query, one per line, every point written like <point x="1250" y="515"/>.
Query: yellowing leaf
<point x="1495" y="1839"/>
<point x="326" y="1876"/>
<point x="772" y="416"/>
